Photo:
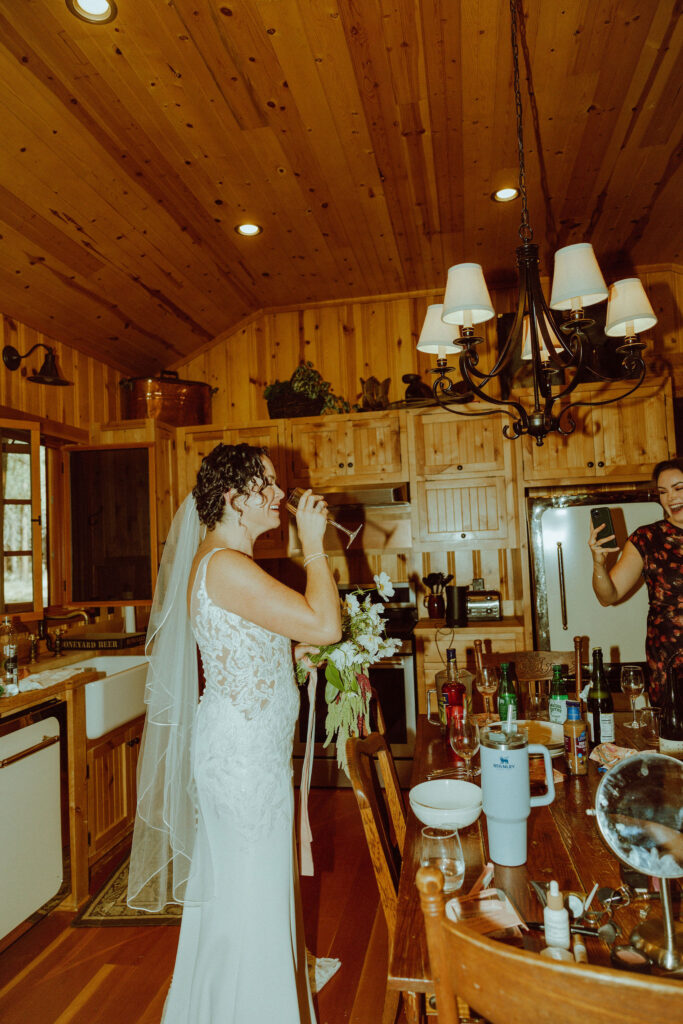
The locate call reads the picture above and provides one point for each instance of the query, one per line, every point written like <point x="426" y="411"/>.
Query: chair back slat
<point x="382" y="814"/>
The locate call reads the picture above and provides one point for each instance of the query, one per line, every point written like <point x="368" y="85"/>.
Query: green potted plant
<point x="304" y="394"/>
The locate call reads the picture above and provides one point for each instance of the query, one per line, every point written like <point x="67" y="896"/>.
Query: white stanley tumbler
<point x="505" y="790"/>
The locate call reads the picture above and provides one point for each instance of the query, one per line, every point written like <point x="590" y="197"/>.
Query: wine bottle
<point x="599" y="705"/>
<point x="671" y="721"/>
<point x="557" y="703"/>
<point x="506" y="694"/>
<point x="454" y="678"/>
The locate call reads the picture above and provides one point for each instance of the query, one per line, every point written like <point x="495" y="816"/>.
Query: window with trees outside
<point x="23" y="507"/>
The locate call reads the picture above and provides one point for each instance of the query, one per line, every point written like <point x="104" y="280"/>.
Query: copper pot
<point x="181" y="403"/>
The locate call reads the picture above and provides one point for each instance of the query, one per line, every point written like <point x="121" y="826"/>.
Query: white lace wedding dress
<point x="241" y="955"/>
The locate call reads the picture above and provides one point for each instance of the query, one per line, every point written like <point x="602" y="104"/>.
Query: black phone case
<point x="602" y="515"/>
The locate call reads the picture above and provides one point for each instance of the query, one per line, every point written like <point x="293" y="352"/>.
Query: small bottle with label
<point x="8" y="649"/>
<point x="506" y="694"/>
<point x="575" y="740"/>
<point x="556" y="918"/>
<point x="557" y="703"/>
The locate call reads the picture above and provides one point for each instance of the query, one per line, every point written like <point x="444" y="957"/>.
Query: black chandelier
<point x="552" y="350"/>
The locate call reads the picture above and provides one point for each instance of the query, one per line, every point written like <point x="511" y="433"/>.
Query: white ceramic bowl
<point x="442" y="802"/>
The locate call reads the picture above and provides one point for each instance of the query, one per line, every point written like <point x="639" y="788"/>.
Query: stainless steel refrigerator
<point x="564" y="603"/>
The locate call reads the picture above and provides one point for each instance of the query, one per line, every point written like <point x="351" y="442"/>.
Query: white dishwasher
<point x="32" y="848"/>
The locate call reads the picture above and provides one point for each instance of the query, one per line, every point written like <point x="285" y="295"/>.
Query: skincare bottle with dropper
<point x="556" y="918"/>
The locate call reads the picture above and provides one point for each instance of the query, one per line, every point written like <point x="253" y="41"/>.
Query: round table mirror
<point x="639" y="810"/>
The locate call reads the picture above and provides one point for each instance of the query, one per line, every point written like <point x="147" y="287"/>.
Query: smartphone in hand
<point x="603" y="517"/>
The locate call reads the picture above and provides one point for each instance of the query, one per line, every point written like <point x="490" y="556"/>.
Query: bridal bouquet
<point x="347" y="689"/>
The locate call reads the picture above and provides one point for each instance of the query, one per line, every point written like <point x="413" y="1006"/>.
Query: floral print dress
<point x="660" y="545"/>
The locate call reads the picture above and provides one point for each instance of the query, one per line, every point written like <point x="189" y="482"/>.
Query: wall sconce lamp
<point x="48" y="373"/>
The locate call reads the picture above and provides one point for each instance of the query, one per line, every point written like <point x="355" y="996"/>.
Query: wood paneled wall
<point x="93" y="397"/>
<point x="348" y="341"/>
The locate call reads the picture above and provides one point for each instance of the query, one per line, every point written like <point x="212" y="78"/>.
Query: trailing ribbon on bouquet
<point x="305" y="834"/>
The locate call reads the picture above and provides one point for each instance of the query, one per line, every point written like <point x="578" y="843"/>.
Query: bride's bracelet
<point x="311" y="558"/>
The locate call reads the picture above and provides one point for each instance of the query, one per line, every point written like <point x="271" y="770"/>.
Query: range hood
<point x="369" y="497"/>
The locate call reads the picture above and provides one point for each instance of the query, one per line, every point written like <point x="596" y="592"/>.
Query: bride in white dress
<point x="214" y="828"/>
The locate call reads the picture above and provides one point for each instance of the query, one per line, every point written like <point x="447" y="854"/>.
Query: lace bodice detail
<point x="245" y="722"/>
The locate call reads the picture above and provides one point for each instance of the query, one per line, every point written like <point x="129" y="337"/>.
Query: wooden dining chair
<point x="507" y="985"/>
<point x="532" y="667"/>
<point x="380" y="802"/>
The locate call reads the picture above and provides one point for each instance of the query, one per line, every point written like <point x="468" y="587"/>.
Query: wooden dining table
<point x="563" y="843"/>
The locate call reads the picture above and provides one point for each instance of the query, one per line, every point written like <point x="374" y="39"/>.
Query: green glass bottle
<point x="557" y="703"/>
<point x="506" y="694"/>
<point x="599" y="704"/>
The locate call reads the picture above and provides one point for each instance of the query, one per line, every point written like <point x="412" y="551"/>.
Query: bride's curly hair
<point x="228" y="467"/>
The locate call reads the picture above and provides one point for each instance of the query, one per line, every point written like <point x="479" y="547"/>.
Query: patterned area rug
<point x="109" y="907"/>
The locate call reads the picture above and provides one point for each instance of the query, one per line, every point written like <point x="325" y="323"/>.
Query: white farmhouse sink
<point x="119" y="697"/>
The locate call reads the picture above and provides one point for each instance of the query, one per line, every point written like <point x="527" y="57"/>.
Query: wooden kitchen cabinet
<point x="448" y="444"/>
<point x="462" y="474"/>
<point x="623" y="441"/>
<point x="433" y="637"/>
<point x="196" y="442"/>
<point x="347" y="450"/>
<point x="111" y="786"/>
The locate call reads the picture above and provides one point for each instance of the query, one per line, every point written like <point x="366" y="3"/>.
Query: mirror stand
<point x="661" y="941"/>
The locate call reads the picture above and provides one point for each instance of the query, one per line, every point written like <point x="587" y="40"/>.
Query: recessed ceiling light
<point x="97" y="12"/>
<point x="504" y="195"/>
<point x="248" y="229"/>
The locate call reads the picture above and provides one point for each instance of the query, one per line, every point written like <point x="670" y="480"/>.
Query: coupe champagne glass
<point x="293" y="504"/>
<point x="632" y="684"/>
<point x="486" y="682"/>
<point x="464" y="739"/>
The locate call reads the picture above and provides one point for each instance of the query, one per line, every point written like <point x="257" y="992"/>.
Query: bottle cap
<point x="554" y="898"/>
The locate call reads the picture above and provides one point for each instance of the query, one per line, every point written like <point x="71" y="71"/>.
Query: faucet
<point x="79" y="613"/>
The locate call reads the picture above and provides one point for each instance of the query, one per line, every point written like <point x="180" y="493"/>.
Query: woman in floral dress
<point x="656" y="553"/>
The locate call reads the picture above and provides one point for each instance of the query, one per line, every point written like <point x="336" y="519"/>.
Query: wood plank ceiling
<point x="364" y="135"/>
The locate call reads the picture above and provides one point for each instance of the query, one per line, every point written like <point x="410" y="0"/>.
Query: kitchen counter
<point x="48" y="662"/>
<point x="473" y="628"/>
<point x="72" y="691"/>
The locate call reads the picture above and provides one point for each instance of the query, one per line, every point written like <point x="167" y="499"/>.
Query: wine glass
<point x="632" y="684"/>
<point x="463" y="735"/>
<point x="486" y="682"/>
<point x="441" y="848"/>
<point x="293" y="504"/>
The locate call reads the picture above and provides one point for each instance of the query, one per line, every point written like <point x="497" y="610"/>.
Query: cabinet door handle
<point x="601" y="464"/>
<point x="134" y="742"/>
<point x="563" y="593"/>
<point x="459" y="467"/>
<point x="590" y="464"/>
<point x="341" y="465"/>
<point x="350" y="465"/>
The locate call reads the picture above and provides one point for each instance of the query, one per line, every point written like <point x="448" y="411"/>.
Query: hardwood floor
<point x="57" y="974"/>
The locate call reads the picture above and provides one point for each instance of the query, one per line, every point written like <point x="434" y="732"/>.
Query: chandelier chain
<point x="525" y="231"/>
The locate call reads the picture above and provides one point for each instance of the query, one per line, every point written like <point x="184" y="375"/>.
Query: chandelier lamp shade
<point x="559" y="356"/>
<point x="49" y="372"/>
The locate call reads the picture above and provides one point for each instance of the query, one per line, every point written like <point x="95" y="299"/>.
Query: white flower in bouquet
<point x="347" y="689"/>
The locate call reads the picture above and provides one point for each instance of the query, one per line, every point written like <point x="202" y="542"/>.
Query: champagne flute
<point x="632" y="684"/>
<point x="486" y="682"/>
<point x="464" y="739"/>
<point x="293" y="504"/>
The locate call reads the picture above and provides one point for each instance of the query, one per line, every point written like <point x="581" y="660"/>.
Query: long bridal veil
<point x="166" y="817"/>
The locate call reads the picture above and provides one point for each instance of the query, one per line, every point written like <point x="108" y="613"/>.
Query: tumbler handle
<point x="549" y="795"/>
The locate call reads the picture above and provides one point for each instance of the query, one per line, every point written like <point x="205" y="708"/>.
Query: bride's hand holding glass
<point x="299" y="497"/>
